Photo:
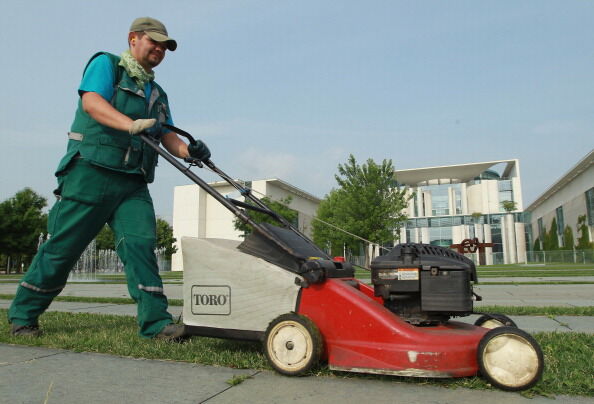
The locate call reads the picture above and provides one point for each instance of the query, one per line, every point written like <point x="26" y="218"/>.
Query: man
<point x="103" y="179"/>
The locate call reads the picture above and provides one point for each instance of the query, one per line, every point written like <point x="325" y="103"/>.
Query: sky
<point x="288" y="89"/>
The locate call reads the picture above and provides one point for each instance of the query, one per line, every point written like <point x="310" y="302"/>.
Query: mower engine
<point x="425" y="284"/>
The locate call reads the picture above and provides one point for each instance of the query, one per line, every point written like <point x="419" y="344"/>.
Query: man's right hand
<point x="140" y="125"/>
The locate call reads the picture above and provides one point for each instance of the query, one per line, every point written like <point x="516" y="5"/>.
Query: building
<point x="197" y="214"/>
<point x="568" y="199"/>
<point x="465" y="201"/>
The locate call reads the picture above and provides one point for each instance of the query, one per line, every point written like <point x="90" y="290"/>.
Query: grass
<point x="508" y="310"/>
<point x="105" y="300"/>
<point x="568" y="356"/>
<point x="536" y="310"/>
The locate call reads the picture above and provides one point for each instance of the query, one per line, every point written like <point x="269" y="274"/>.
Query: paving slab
<point x="504" y="295"/>
<point x="577" y="324"/>
<point x="268" y="387"/>
<point x="34" y="375"/>
<point x="172" y="291"/>
<point x="536" y="295"/>
<point x="39" y="375"/>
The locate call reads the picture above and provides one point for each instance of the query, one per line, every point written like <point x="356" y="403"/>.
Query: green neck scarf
<point x="135" y="70"/>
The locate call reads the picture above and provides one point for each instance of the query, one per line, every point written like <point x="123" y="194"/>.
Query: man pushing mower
<point x="103" y="179"/>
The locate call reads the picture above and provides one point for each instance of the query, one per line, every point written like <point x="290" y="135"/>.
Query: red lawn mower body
<point x="361" y="335"/>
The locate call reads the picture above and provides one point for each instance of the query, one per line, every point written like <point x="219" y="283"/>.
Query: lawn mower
<point x="278" y="287"/>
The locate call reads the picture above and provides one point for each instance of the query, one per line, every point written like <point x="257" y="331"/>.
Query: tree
<point x="551" y="240"/>
<point x="536" y="246"/>
<point x="367" y="204"/>
<point x="105" y="239"/>
<point x="165" y="239"/>
<point x="476" y="216"/>
<point x="567" y="238"/>
<point x="280" y="207"/>
<point x="509" y="206"/>
<point x="326" y="236"/>
<point x="21" y="222"/>
<point x="583" y="241"/>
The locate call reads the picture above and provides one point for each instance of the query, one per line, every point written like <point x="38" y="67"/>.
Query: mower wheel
<point x="510" y="359"/>
<point x="293" y="344"/>
<point x="494" y="321"/>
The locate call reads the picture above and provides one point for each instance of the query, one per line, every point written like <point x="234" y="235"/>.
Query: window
<point x="528" y="236"/>
<point x="439" y="200"/>
<point x="590" y="206"/>
<point x="506" y="192"/>
<point x="441" y="236"/>
<point x="458" y="198"/>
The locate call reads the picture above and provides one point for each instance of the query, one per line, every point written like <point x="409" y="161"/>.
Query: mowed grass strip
<point x="568" y="356"/>
<point x="508" y="310"/>
<point x="93" y="299"/>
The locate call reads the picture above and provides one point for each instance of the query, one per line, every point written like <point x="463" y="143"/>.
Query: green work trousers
<point x="89" y="197"/>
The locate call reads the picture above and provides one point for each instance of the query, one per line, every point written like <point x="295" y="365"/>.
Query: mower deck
<point x="361" y="335"/>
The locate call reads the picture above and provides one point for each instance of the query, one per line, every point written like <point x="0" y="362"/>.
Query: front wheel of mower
<point x="293" y="344"/>
<point x="494" y="321"/>
<point x="510" y="359"/>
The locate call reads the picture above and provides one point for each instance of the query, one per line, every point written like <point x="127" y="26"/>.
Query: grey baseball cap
<point x="154" y="29"/>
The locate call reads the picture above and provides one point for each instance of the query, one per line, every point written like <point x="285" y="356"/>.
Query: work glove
<point x="140" y="125"/>
<point x="199" y="150"/>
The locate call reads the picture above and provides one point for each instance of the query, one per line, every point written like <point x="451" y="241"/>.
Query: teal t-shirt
<point x="99" y="78"/>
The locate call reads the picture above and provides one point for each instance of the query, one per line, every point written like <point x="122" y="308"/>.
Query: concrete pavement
<point x="504" y="295"/>
<point x="51" y="376"/>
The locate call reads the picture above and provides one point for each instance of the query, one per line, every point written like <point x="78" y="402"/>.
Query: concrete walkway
<point x="51" y="376"/>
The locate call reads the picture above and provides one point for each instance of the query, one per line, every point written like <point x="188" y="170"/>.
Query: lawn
<point x="568" y="356"/>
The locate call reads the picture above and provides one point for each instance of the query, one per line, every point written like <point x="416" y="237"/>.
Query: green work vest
<point x="111" y="148"/>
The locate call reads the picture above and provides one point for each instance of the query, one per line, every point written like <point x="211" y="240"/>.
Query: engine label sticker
<point x="408" y="274"/>
<point x="211" y="300"/>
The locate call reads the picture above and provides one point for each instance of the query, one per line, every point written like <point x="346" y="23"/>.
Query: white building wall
<point x="573" y="199"/>
<point x="464" y="196"/>
<point x="508" y="237"/>
<point x="189" y="206"/>
<point x="197" y="214"/>
<point x="474" y="193"/>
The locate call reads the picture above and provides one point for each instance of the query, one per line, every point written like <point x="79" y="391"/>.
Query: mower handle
<point x="246" y="192"/>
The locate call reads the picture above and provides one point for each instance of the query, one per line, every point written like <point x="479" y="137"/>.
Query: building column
<point x="488" y="250"/>
<point x="508" y="234"/>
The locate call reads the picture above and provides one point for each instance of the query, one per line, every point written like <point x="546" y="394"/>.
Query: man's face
<point x="147" y="52"/>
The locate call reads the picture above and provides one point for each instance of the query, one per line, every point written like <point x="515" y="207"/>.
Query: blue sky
<point x="288" y="89"/>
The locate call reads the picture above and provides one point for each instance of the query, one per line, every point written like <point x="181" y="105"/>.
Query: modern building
<point x="565" y="201"/>
<point x="452" y="203"/>
<point x="197" y="214"/>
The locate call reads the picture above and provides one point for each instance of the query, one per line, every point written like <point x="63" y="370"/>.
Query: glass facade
<point x="446" y="211"/>
<point x="440" y="236"/>
<point x="506" y="192"/>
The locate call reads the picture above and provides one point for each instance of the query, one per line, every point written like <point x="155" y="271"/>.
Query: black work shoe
<point x="173" y="332"/>
<point x="25" y="330"/>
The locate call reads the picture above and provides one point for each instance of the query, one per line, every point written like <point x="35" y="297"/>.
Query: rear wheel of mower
<point x="293" y="344"/>
<point x="510" y="359"/>
<point x="494" y="321"/>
